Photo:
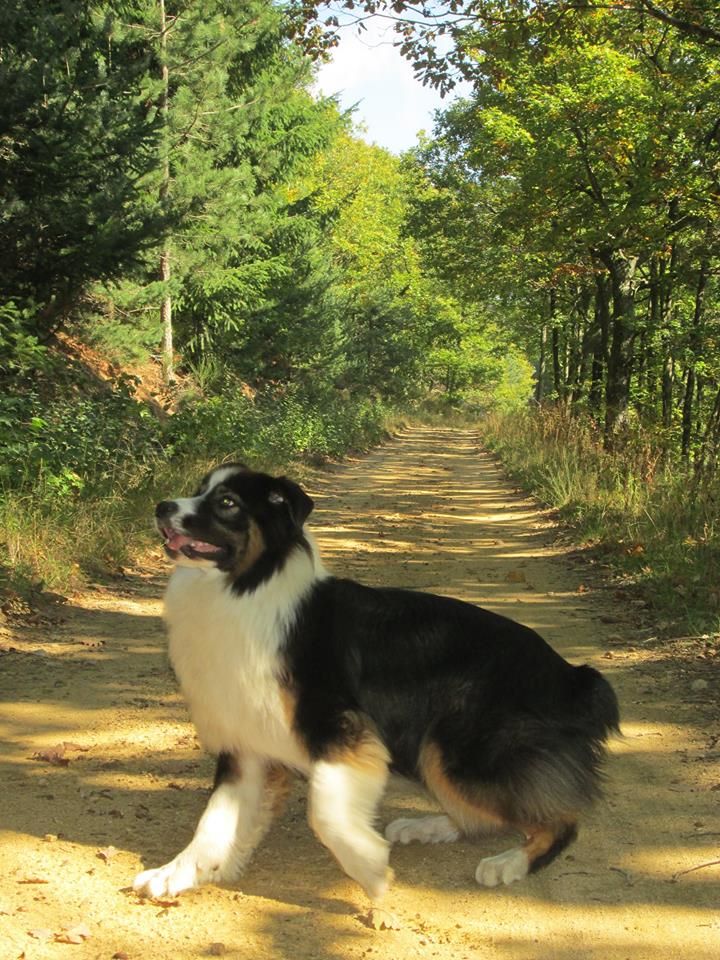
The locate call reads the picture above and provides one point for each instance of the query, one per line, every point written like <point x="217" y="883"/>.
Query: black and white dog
<point x="287" y="668"/>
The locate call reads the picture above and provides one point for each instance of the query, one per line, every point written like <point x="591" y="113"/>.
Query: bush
<point x="69" y="443"/>
<point x="80" y="476"/>
<point x="275" y="428"/>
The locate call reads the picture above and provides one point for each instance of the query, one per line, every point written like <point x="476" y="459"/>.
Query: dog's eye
<point x="227" y="502"/>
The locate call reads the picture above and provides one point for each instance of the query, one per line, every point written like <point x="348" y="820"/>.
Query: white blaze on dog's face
<point x="239" y="522"/>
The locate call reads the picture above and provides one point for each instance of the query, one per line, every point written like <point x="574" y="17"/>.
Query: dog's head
<point x="238" y="521"/>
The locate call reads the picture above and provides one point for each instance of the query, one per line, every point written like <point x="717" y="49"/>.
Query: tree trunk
<point x="600" y="343"/>
<point x="540" y="383"/>
<point x="623" y="270"/>
<point x="165" y="273"/>
<point x="558" y="386"/>
<point x="695" y="348"/>
<point x="582" y="349"/>
<point x="707" y="455"/>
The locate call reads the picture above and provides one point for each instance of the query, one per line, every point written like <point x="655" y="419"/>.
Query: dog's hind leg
<point x="542" y="844"/>
<point x="434" y="829"/>
<point x="345" y="789"/>
<point x="476" y="810"/>
<point x="245" y="797"/>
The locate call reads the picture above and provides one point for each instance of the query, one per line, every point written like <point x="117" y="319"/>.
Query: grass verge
<point x="56" y="534"/>
<point x="656" y="522"/>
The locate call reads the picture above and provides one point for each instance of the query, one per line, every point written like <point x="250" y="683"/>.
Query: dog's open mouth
<point x="190" y="547"/>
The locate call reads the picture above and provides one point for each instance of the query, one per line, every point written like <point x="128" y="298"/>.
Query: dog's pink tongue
<point x="176" y="541"/>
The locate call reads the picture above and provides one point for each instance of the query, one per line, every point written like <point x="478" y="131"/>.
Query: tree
<point x="584" y="162"/>
<point x="238" y="125"/>
<point x="78" y="141"/>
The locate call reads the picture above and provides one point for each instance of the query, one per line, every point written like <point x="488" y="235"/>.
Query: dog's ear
<point x="298" y="502"/>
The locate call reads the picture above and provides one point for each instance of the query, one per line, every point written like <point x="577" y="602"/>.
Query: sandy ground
<point x="429" y="510"/>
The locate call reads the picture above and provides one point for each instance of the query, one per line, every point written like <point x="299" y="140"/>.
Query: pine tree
<point x="78" y="138"/>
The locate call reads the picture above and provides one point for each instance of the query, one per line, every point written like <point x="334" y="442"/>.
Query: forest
<point x="203" y="258"/>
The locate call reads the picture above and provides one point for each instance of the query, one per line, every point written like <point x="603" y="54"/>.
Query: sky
<point x="368" y="71"/>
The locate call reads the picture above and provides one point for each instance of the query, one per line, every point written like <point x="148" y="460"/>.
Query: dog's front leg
<point x="238" y="814"/>
<point x="344" y="794"/>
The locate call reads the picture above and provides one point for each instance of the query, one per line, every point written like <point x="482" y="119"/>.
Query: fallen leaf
<point x="69" y="745"/>
<point x="33" y="880"/>
<point x="106" y="853"/>
<point x="40" y="934"/>
<point x="54" y="755"/>
<point x="77" y="934"/>
<point x="120" y="955"/>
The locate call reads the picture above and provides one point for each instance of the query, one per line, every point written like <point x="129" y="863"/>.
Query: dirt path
<point x="431" y="511"/>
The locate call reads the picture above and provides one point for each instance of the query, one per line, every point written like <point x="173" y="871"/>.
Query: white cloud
<point x="368" y="71"/>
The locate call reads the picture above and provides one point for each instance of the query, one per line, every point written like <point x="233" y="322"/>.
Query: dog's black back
<point x="506" y="711"/>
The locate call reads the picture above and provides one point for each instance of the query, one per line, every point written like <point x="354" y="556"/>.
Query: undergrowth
<point x="80" y="476"/>
<point x="656" y="521"/>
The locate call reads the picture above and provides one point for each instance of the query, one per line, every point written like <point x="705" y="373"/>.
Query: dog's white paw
<point x="435" y="829"/>
<point x="505" y="868"/>
<point x="367" y="862"/>
<point x="186" y="871"/>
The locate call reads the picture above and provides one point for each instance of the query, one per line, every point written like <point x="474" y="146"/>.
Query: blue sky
<point x="392" y="105"/>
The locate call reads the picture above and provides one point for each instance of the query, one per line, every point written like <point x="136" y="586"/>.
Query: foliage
<point x="80" y="476"/>
<point x="20" y="351"/>
<point x="76" y="441"/>
<point x="274" y="428"/>
<point x="78" y="135"/>
<point x="302" y="306"/>
<point x="438" y="38"/>
<point x="559" y="233"/>
<point x="573" y="192"/>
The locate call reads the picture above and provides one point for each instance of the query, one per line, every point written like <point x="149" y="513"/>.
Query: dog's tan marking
<point x="254" y="549"/>
<point x="289" y="703"/>
<point x="277" y="785"/>
<point x="539" y="837"/>
<point x="362" y="749"/>
<point x="473" y="814"/>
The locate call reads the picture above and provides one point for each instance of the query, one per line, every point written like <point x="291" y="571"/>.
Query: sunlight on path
<point x="429" y="510"/>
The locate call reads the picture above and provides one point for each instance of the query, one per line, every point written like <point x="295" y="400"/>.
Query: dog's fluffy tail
<point x="554" y="765"/>
<point x="603" y="711"/>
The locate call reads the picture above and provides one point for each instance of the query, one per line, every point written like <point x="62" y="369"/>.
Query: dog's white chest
<point x="225" y="652"/>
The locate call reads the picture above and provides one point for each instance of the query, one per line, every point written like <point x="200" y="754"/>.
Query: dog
<point x="287" y="669"/>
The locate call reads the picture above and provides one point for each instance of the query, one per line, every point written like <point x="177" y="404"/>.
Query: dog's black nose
<point x="165" y="509"/>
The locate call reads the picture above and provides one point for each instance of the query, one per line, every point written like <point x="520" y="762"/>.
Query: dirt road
<point x="429" y="510"/>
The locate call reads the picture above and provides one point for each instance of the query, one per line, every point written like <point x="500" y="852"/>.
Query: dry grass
<point x="657" y="521"/>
